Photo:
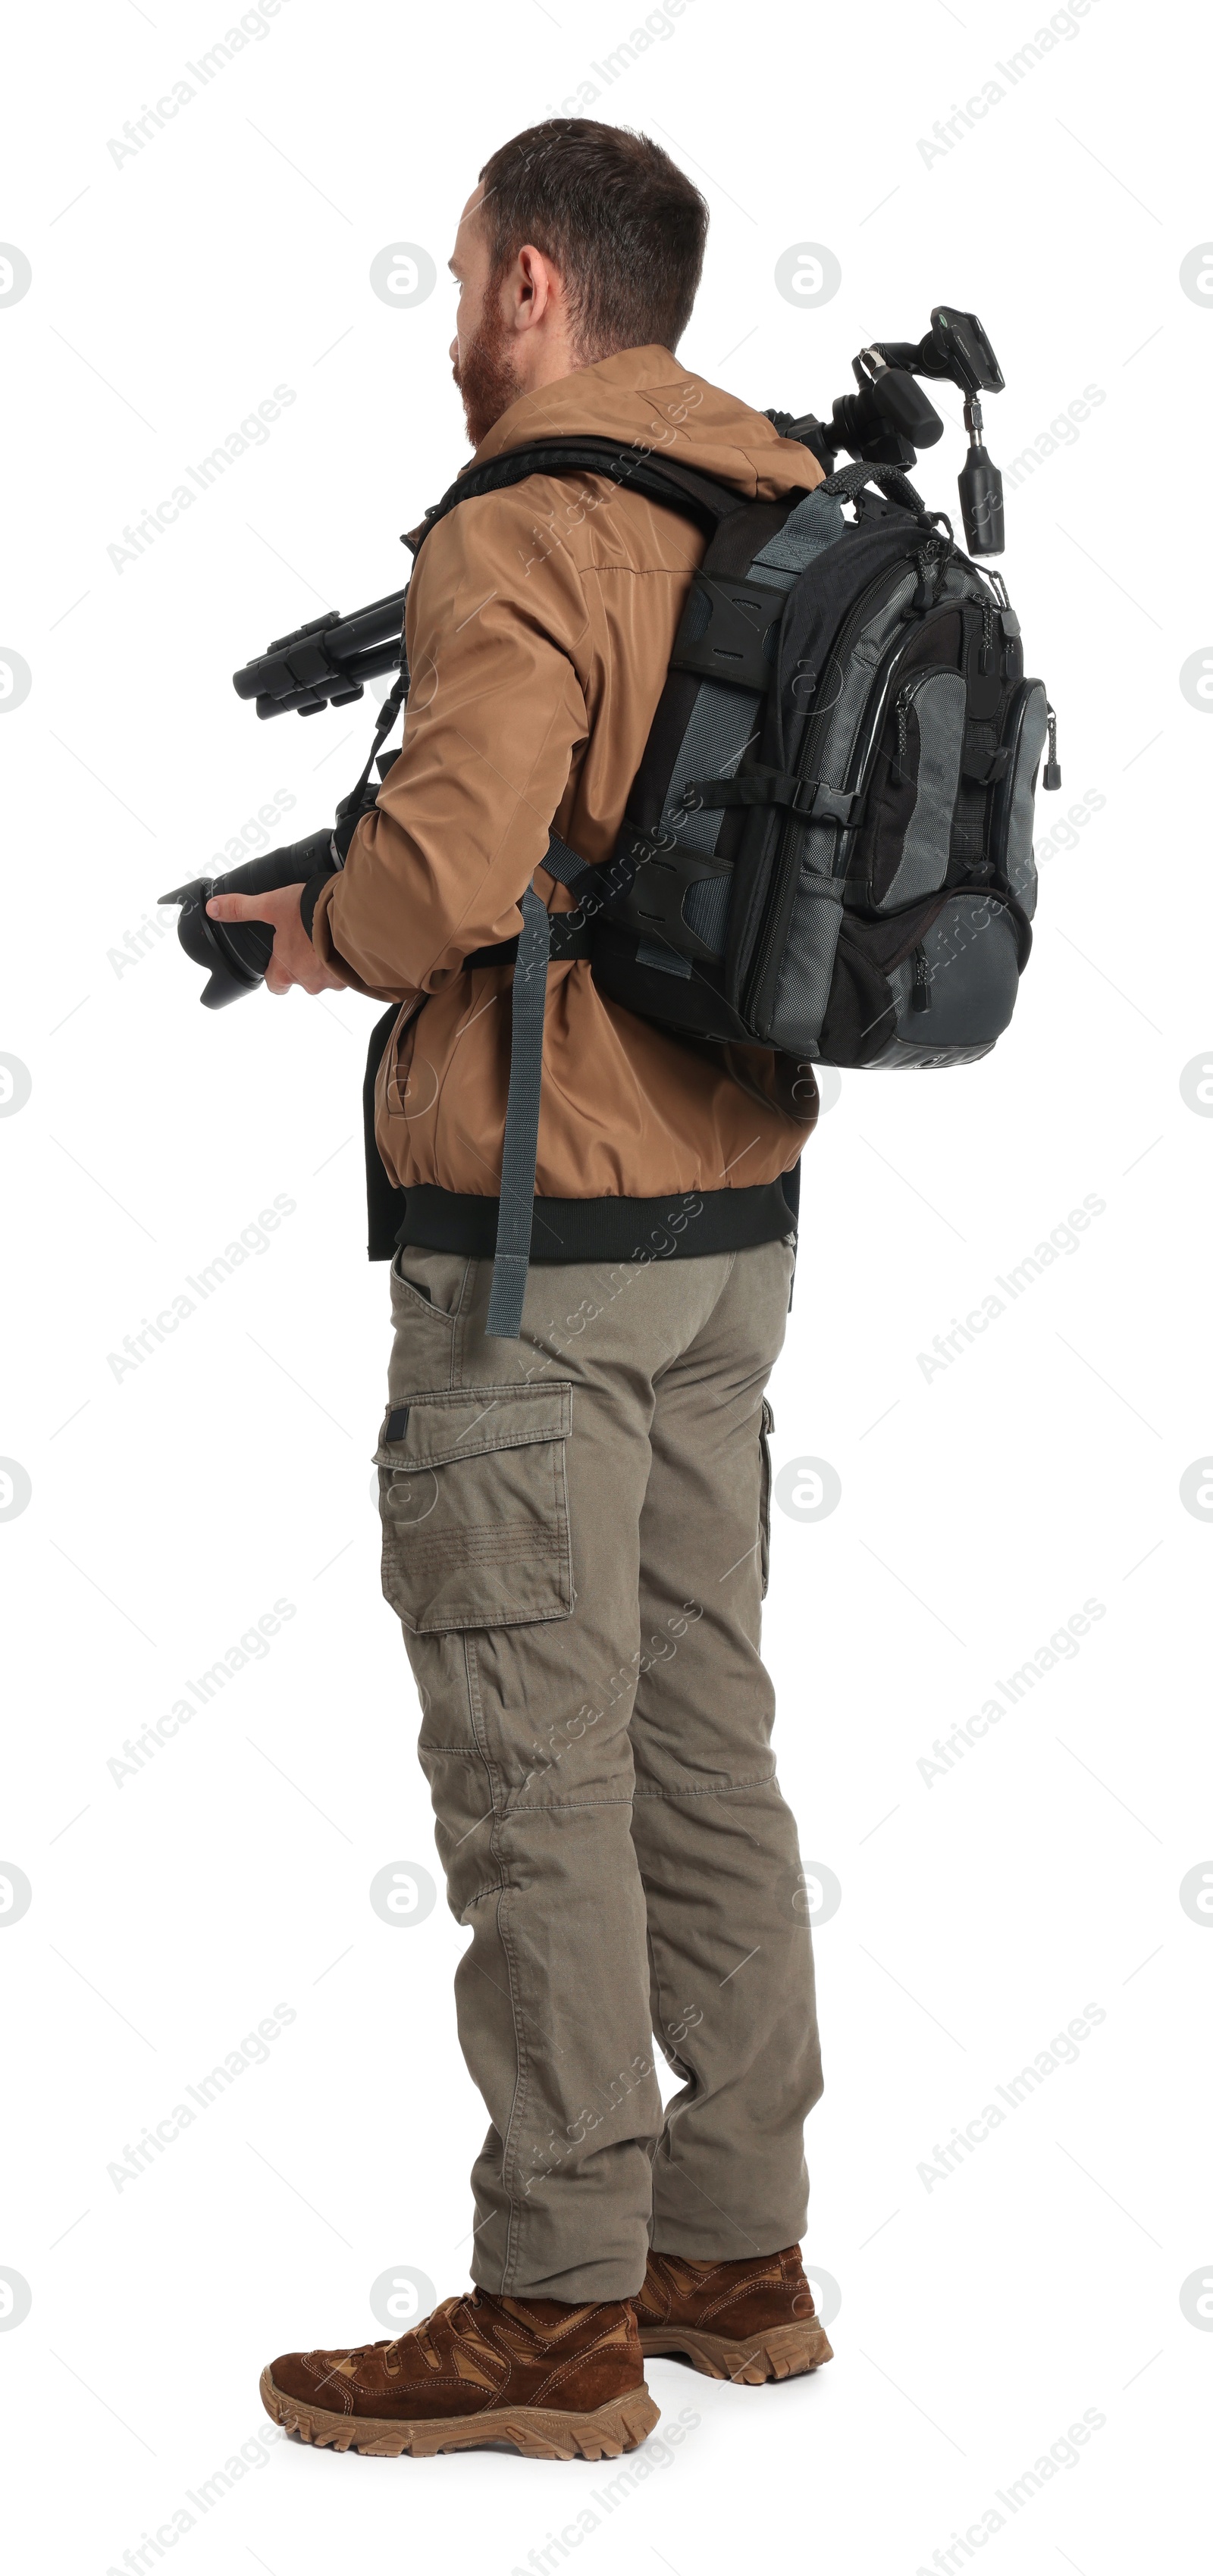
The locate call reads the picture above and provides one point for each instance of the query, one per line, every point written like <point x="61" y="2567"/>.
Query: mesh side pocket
<point x="1025" y="734"/>
<point x="705" y="910"/>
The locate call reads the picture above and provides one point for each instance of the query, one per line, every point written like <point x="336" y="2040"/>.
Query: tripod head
<point x="890" y="418"/>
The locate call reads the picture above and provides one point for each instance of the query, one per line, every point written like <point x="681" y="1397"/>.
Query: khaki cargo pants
<point x="574" y="1537"/>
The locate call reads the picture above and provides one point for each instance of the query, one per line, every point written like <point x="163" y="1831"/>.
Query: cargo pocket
<point x="766" y="1427"/>
<point x="474" y="1504"/>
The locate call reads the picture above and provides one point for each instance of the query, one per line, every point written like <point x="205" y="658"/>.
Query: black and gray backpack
<point x="827" y="849"/>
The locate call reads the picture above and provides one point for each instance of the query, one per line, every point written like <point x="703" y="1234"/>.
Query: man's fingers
<point x="237" y="907"/>
<point x="277" y="904"/>
<point x="293" y="960"/>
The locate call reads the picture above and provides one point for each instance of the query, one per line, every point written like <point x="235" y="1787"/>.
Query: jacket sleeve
<point x="496" y="714"/>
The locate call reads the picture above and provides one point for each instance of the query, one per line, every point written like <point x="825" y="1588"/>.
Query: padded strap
<point x="697" y="496"/>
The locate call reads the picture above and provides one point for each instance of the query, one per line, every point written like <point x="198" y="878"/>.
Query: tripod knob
<point x="980" y="485"/>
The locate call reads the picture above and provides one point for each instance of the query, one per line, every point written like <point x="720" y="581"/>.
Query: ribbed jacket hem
<point x="681" y="1225"/>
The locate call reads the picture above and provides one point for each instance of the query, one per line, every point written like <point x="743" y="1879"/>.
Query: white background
<point x="171" y="1507"/>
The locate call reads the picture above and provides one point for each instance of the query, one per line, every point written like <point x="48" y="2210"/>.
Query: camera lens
<point x="237" y="952"/>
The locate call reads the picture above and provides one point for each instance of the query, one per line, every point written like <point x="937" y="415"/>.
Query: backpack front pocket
<point x="936" y="986"/>
<point x="906" y="854"/>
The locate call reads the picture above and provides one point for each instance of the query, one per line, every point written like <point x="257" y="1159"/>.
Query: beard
<point x="488" y="382"/>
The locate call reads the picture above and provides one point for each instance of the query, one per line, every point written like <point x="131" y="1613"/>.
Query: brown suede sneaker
<point x="749" y="2321"/>
<point x="554" y="2380"/>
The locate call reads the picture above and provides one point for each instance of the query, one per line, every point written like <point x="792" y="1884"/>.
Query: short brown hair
<point x="623" y="224"/>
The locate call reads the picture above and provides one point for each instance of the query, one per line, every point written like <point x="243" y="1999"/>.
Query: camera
<point x="238" y="952"/>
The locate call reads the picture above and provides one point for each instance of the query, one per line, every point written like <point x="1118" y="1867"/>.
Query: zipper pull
<point x="903" y="730"/>
<point x="1052" y="776"/>
<point x="931" y="557"/>
<point x="920" y="989"/>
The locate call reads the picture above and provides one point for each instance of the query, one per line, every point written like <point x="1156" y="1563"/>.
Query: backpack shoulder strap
<point x="698" y="496"/>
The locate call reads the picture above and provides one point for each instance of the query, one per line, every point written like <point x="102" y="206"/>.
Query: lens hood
<point x="238" y="952"/>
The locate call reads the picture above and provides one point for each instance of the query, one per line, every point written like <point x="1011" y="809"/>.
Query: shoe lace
<point x="456" y="2313"/>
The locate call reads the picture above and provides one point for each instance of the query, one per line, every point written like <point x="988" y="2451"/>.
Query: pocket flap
<point x="470" y="1421"/>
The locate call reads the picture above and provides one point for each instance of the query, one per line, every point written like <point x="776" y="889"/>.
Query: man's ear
<point x="536" y="280"/>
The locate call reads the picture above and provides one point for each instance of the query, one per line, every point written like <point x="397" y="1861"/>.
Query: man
<point x="575" y="1523"/>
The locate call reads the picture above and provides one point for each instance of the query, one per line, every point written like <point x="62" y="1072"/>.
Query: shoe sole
<point x="784" y="2352"/>
<point x="539" y="2432"/>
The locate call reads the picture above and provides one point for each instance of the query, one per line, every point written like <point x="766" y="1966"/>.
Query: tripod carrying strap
<point x="352" y="807"/>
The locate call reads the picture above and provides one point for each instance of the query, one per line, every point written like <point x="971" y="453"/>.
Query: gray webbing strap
<point x="813" y="525"/>
<point x="520" y="1144"/>
<point x="561" y="862"/>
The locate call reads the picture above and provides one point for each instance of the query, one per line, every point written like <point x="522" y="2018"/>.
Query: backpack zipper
<point x="904" y="701"/>
<point x="903" y="729"/>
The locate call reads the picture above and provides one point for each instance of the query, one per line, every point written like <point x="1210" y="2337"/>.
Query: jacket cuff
<point x="311" y="894"/>
<point x="344" y="830"/>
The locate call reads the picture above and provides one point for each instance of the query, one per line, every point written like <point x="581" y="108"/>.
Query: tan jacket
<point x="539" y="626"/>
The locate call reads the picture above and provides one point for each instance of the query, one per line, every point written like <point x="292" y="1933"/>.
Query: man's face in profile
<point x="482" y="359"/>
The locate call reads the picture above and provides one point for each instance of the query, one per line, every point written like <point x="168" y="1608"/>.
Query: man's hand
<point x="294" y="960"/>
